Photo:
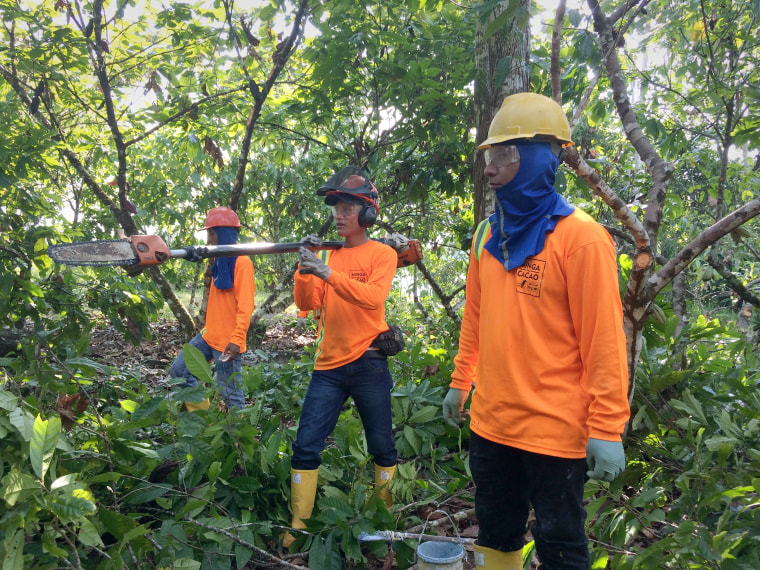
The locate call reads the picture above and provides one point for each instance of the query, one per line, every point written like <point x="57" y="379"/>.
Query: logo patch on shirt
<point x="359" y="275"/>
<point x="529" y="277"/>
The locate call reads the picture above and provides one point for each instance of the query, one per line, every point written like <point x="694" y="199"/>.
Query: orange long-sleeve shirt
<point x="229" y="311"/>
<point x="544" y="344"/>
<point x="352" y="301"/>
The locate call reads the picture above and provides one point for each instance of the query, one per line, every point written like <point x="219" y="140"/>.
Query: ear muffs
<point x="367" y="216"/>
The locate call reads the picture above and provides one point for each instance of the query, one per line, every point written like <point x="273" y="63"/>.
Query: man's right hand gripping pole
<point x="453" y="404"/>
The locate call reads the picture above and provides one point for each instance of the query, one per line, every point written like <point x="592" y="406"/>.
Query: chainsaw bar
<point x="102" y="253"/>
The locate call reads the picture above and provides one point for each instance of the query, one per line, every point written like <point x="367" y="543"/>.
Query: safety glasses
<point x="345" y="210"/>
<point x="502" y="155"/>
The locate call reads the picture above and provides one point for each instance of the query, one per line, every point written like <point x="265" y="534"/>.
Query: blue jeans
<point x="369" y="383"/>
<point x="508" y="480"/>
<point x="228" y="374"/>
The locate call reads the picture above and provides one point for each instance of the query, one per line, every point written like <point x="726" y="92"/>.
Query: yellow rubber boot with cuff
<point x="491" y="559"/>
<point x="195" y="406"/>
<point x="383" y="476"/>
<point x="303" y="491"/>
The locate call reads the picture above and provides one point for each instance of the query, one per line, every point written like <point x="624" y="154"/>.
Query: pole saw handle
<point x="152" y="250"/>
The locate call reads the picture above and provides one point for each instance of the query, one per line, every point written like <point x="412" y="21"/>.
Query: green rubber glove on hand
<point x="605" y="459"/>
<point x="453" y="404"/>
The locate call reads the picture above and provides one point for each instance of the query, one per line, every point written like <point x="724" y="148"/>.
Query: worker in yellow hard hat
<point x="542" y="343"/>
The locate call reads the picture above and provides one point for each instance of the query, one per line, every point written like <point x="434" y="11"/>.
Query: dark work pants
<point x="366" y="380"/>
<point x="508" y="481"/>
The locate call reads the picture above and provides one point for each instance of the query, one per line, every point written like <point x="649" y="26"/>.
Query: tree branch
<point x="281" y="56"/>
<point x="181" y="113"/>
<point x="246" y="544"/>
<point x="600" y="188"/>
<point x="736" y="285"/>
<point x="445" y="300"/>
<point x="555" y="67"/>
<point x="96" y="49"/>
<point x="682" y="259"/>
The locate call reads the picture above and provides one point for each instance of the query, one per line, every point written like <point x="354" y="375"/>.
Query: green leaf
<point x="692" y="407"/>
<point x="17" y="486"/>
<point x="196" y="363"/>
<point x="147" y="492"/>
<point x="186" y="564"/>
<point x="14" y="552"/>
<point x="88" y="534"/>
<point x="144" y="449"/>
<point x="23" y="421"/>
<point x="501" y="20"/>
<point x="109" y="477"/>
<point x="191" y="425"/>
<point x="502" y="70"/>
<point x="49" y="539"/>
<point x="70" y="507"/>
<point x="42" y="445"/>
<point x="8" y="401"/>
<point x="148" y="408"/>
<point x="135" y="533"/>
<point x="414" y="440"/>
<point x="213" y="471"/>
<point x="63" y="481"/>
<point x="424" y="415"/>
<point x="115" y="523"/>
<point x="87" y="366"/>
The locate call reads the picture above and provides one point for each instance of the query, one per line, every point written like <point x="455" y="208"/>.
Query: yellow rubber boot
<point x="195" y="406"/>
<point x="303" y="490"/>
<point x="383" y="476"/>
<point x="490" y="559"/>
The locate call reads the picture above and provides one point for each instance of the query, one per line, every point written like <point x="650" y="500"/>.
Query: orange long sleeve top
<point x="229" y="311"/>
<point x="352" y="301"/>
<point x="544" y="345"/>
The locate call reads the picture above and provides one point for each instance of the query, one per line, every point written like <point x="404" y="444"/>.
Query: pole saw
<point x="143" y="251"/>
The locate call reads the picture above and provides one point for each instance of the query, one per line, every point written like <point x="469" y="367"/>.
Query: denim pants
<point x="508" y="481"/>
<point x="369" y="383"/>
<point x="228" y="374"/>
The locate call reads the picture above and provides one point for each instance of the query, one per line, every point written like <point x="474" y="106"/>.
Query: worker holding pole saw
<point x="228" y="316"/>
<point x="349" y="288"/>
<point x="231" y="297"/>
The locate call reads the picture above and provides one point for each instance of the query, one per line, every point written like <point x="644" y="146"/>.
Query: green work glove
<point x="605" y="459"/>
<point x="453" y="404"/>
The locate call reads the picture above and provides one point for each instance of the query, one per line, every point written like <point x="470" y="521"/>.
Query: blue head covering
<point x="223" y="269"/>
<point x="527" y="207"/>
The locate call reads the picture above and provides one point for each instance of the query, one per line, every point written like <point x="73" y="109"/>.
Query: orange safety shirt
<point x="352" y="301"/>
<point x="229" y="311"/>
<point x="544" y="344"/>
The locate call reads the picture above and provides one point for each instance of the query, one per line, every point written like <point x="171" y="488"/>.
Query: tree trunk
<point x="186" y="323"/>
<point x="502" y="62"/>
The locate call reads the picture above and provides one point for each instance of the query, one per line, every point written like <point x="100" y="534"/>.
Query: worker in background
<point x="542" y="343"/>
<point x="228" y="314"/>
<point x="349" y="289"/>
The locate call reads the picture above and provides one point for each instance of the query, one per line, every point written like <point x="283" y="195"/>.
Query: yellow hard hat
<point x="525" y="116"/>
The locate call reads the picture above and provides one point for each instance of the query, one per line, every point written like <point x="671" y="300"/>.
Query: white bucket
<point x="439" y="556"/>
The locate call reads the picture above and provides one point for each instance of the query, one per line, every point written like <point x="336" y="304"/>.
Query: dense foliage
<point x="141" y="116"/>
